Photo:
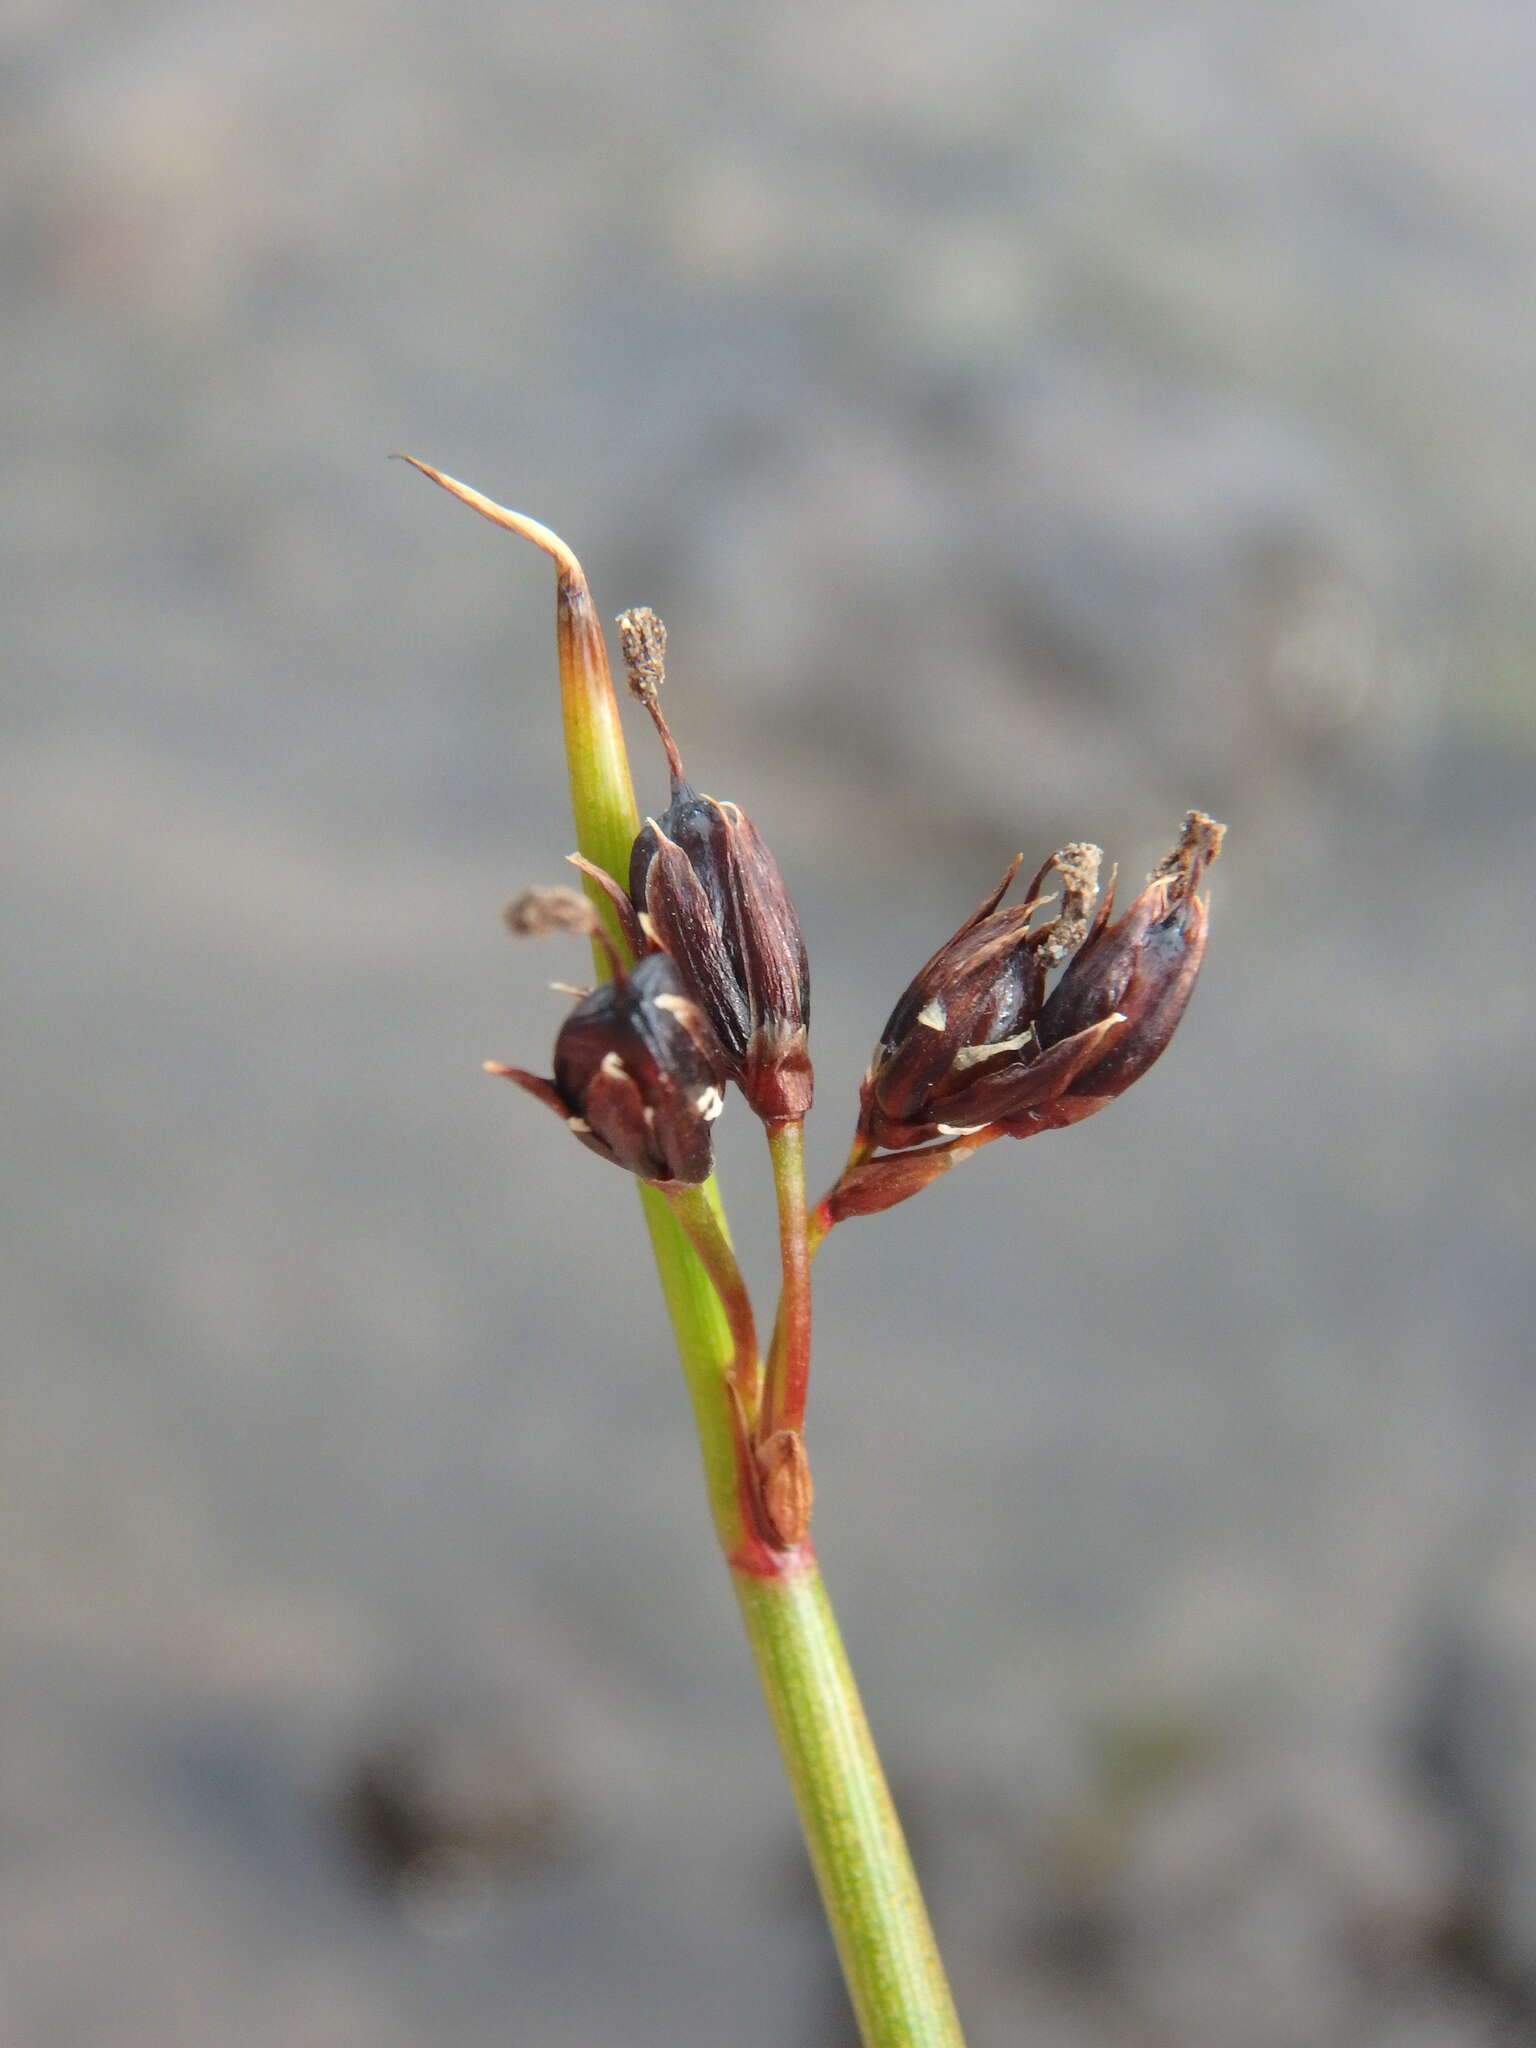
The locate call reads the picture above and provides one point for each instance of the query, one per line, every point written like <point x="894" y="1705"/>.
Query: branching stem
<point x="862" y="1867"/>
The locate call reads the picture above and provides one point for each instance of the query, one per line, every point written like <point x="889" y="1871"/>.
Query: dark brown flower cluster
<point x="637" y="1073"/>
<point x="977" y="1049"/>
<point x="706" y="888"/>
<point x="721" y="987"/>
<point x="1029" y="1018"/>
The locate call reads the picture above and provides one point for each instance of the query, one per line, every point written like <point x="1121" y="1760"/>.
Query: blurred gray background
<point x="1031" y="421"/>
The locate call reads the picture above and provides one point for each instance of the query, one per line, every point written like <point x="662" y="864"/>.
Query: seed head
<point x="638" y="1076"/>
<point x="977" y="1047"/>
<point x="1142" y="968"/>
<point x="707" y="889"/>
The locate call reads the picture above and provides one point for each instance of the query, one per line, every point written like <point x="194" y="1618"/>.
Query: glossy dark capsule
<point x="638" y="1075"/>
<point x="1142" y="968"/>
<point x="965" y="1027"/>
<point x="710" y="892"/>
<point x="976" y="1044"/>
<point x="712" y="895"/>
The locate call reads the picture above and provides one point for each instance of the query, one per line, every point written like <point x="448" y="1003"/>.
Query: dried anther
<point x="643" y="641"/>
<point x="537" y="912"/>
<point x="1077" y="872"/>
<point x="708" y="890"/>
<point x="638" y="1076"/>
<point x="976" y="1048"/>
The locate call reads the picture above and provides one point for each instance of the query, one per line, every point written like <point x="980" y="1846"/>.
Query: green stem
<point x="868" y="1887"/>
<point x="786" y="1380"/>
<point x="705" y="1352"/>
<point x="705" y="1227"/>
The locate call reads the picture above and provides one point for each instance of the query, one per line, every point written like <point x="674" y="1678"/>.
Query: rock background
<point x="1031" y="421"/>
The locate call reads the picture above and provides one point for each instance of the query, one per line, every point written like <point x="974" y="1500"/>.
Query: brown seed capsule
<point x="967" y="1018"/>
<point x="711" y="893"/>
<point x="1143" y="967"/>
<point x="638" y="1075"/>
<point x="976" y="1047"/>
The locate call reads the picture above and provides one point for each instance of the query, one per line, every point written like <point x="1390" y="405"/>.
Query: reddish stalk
<point x="786" y="1378"/>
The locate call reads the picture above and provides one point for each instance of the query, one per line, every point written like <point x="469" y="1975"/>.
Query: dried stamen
<point x="538" y="912"/>
<point x="1199" y="844"/>
<point x="1077" y="869"/>
<point x="643" y="641"/>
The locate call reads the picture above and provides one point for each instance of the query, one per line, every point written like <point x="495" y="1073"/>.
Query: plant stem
<point x="786" y="1379"/>
<point x="862" y="1867"/>
<point x="705" y="1352"/>
<point x="706" y="1231"/>
<point x="868" y="1887"/>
